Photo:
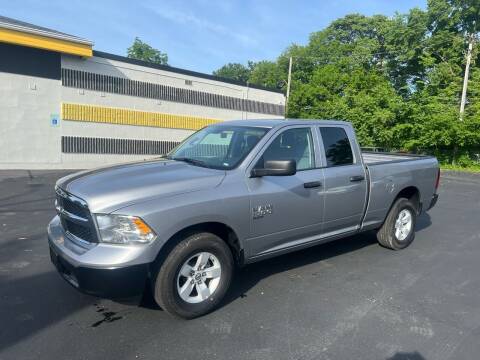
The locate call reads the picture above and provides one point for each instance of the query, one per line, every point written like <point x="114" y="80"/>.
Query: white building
<point x="63" y="105"/>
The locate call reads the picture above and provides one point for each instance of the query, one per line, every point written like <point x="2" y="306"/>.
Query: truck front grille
<point x="75" y="209"/>
<point x="75" y="217"/>
<point x="80" y="231"/>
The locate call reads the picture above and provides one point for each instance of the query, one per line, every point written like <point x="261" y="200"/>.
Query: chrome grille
<point x="75" y="208"/>
<point x="75" y="217"/>
<point x="80" y="231"/>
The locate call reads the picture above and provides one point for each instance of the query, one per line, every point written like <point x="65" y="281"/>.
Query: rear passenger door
<point x="345" y="180"/>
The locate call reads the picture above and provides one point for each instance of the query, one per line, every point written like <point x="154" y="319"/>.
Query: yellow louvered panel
<point x="92" y="113"/>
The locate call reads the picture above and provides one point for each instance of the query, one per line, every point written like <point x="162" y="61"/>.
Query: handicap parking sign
<point x="54" y="120"/>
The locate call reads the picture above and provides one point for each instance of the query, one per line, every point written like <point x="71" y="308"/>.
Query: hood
<point x="111" y="188"/>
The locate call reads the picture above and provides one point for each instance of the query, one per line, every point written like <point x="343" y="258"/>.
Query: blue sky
<point x="199" y="35"/>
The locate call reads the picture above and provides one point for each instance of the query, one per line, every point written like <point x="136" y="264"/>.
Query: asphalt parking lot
<point x="349" y="299"/>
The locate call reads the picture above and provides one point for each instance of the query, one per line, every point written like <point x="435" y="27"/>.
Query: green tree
<point x="268" y="74"/>
<point x="398" y="79"/>
<point x="365" y="98"/>
<point x="405" y="51"/>
<point x="235" y="71"/>
<point x="142" y="51"/>
<point x="454" y="15"/>
<point x="353" y="41"/>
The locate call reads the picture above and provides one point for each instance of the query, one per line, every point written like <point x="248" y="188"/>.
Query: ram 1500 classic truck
<point x="230" y="194"/>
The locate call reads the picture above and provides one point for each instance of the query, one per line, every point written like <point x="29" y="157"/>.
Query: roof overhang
<point x="25" y="36"/>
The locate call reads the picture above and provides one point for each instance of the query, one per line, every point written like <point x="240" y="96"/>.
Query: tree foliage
<point x="266" y="73"/>
<point x="142" y="51"/>
<point x="234" y="71"/>
<point x="397" y="79"/>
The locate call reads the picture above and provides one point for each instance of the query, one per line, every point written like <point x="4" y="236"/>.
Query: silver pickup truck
<point x="231" y="194"/>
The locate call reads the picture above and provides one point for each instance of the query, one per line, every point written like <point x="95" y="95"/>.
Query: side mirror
<point x="276" y="168"/>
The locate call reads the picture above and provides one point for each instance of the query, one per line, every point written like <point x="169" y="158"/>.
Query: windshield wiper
<point x="189" y="161"/>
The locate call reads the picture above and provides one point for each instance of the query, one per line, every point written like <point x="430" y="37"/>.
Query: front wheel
<point x="398" y="230"/>
<point x="195" y="276"/>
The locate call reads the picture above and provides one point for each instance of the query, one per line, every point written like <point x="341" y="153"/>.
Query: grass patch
<point x="471" y="168"/>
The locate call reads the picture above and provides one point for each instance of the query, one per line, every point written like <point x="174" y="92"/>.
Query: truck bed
<point x="376" y="158"/>
<point x="389" y="173"/>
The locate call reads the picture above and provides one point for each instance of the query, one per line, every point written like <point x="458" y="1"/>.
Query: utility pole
<point x="248" y="90"/>
<point x="465" y="79"/>
<point x="289" y="80"/>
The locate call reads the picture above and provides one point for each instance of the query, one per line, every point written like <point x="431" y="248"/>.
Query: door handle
<point x="312" y="184"/>
<point x="357" y="178"/>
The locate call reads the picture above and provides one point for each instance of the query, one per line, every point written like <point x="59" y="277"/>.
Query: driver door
<point x="286" y="209"/>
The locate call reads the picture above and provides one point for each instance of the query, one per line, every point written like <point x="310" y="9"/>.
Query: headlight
<point x="121" y="229"/>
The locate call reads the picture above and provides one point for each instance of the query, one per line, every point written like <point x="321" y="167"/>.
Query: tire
<point x="173" y="288"/>
<point x="390" y="234"/>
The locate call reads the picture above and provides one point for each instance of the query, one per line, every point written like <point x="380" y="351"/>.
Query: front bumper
<point x="118" y="281"/>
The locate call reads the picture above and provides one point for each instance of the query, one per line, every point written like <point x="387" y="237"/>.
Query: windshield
<point x="218" y="147"/>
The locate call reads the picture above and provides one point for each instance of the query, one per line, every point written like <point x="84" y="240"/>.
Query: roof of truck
<point x="271" y="123"/>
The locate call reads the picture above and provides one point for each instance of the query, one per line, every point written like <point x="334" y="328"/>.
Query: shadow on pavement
<point x="423" y="221"/>
<point x="247" y="277"/>
<point x="407" y="356"/>
<point x="31" y="304"/>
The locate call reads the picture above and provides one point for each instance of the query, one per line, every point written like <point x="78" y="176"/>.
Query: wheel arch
<point x="411" y="193"/>
<point x="408" y="192"/>
<point x="220" y="229"/>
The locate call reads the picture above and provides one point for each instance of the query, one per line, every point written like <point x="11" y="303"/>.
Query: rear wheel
<point x="195" y="276"/>
<point x="398" y="230"/>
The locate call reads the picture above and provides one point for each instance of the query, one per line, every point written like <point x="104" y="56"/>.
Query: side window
<point x="294" y="144"/>
<point x="337" y="146"/>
